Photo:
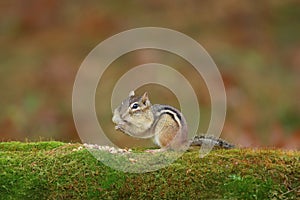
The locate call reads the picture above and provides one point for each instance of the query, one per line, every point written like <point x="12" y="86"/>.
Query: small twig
<point x="290" y="191"/>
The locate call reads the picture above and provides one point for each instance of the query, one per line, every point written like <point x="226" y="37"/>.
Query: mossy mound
<point x="56" y="170"/>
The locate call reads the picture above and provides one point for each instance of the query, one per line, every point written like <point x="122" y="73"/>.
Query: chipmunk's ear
<point x="145" y="99"/>
<point x="131" y="94"/>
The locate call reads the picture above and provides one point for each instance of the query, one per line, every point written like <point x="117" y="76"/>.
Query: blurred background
<point x="256" y="46"/>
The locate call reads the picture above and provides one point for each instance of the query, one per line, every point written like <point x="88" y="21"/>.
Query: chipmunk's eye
<point x="134" y="106"/>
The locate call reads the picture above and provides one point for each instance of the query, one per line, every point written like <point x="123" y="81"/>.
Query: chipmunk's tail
<point x="199" y="140"/>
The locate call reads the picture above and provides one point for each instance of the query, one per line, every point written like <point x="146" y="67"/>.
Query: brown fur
<point x="167" y="129"/>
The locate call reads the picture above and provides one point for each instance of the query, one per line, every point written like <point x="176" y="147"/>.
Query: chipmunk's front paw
<point x="120" y="127"/>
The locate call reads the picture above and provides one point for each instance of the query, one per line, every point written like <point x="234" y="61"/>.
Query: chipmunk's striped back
<point x="169" y="126"/>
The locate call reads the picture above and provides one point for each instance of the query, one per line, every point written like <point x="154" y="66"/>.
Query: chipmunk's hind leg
<point x="156" y="150"/>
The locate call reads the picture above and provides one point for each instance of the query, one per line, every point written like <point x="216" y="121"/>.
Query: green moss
<point x="20" y="146"/>
<point x="249" y="187"/>
<point x="54" y="170"/>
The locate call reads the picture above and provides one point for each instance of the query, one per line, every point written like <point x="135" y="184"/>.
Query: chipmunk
<point x="137" y="117"/>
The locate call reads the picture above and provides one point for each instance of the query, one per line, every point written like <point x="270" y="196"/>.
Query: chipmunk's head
<point x="133" y="116"/>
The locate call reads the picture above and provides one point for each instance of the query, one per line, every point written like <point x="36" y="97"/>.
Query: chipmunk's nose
<point x="116" y="117"/>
